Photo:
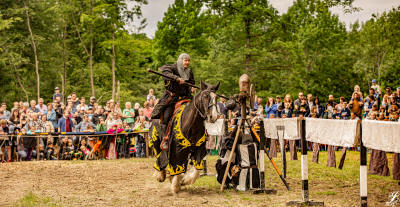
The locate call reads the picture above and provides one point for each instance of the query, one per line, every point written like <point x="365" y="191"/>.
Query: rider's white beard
<point x="183" y="72"/>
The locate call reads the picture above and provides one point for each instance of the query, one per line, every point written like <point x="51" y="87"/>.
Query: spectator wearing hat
<point x="57" y="93"/>
<point x="376" y="87"/>
<point x="92" y="102"/>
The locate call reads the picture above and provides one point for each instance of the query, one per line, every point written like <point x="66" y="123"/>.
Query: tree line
<point x="86" y="47"/>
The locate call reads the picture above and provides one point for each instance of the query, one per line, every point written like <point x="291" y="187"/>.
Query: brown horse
<point x="187" y="139"/>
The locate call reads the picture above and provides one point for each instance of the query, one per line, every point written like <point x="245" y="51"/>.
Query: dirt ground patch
<point x="131" y="183"/>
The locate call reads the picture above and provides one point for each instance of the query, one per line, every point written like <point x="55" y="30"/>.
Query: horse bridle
<point x="204" y="116"/>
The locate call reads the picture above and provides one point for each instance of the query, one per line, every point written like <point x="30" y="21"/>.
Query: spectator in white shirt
<point x="42" y="108"/>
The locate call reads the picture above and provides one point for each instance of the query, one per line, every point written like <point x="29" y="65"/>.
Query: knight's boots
<point x="165" y="134"/>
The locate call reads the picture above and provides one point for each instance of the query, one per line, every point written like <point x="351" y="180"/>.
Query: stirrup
<point x="164" y="145"/>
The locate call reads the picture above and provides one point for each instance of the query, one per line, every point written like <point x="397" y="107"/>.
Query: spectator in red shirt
<point x="147" y="110"/>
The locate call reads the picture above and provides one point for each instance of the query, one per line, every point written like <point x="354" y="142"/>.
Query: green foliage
<point x="184" y="28"/>
<point x="305" y="49"/>
<point x="62" y="33"/>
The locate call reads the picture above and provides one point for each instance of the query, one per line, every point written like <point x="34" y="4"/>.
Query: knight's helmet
<point x="247" y="89"/>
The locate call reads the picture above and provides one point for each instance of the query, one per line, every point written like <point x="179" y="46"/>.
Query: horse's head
<point x="206" y="102"/>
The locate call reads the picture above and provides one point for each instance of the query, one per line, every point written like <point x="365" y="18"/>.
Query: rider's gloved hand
<point x="181" y="81"/>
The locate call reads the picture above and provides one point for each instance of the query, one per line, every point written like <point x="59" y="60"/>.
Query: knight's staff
<point x="231" y="155"/>
<point x="341" y="163"/>
<point x="188" y="84"/>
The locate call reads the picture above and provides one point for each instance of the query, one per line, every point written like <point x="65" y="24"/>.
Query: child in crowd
<point x="126" y="126"/>
<point x="83" y="150"/>
<point x="287" y="111"/>
<point x="345" y="113"/>
<point x="335" y="114"/>
<point x="50" y="151"/>
<point x="303" y="109"/>
<point x="139" y="139"/>
<point x="70" y="149"/>
<point x="41" y="152"/>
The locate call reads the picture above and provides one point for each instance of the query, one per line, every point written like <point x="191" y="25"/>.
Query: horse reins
<point x="204" y="116"/>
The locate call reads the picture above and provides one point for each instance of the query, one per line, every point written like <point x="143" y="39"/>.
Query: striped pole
<point x="363" y="171"/>
<point x="262" y="163"/>
<point x="282" y="147"/>
<point x="262" y="134"/>
<point x="304" y="171"/>
<point x="304" y="162"/>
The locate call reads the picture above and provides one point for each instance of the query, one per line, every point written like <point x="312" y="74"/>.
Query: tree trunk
<point x="91" y="52"/>
<point x="34" y="50"/>
<point x="64" y="76"/>
<point x="118" y="90"/>
<point x="380" y="62"/>
<point x="113" y="65"/>
<point x="20" y="83"/>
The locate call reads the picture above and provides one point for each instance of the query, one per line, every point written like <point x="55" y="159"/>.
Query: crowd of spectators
<point x="73" y="115"/>
<point x="376" y="105"/>
<point x="78" y="115"/>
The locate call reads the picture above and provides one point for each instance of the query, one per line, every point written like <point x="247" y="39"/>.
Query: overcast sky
<point x="154" y="11"/>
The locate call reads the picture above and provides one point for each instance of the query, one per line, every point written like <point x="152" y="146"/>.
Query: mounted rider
<point x="175" y="90"/>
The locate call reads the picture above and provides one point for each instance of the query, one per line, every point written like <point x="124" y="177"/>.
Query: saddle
<point x="178" y="105"/>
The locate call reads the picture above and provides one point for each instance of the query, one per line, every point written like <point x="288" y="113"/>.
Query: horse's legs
<point x="191" y="176"/>
<point x="176" y="183"/>
<point x="161" y="175"/>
